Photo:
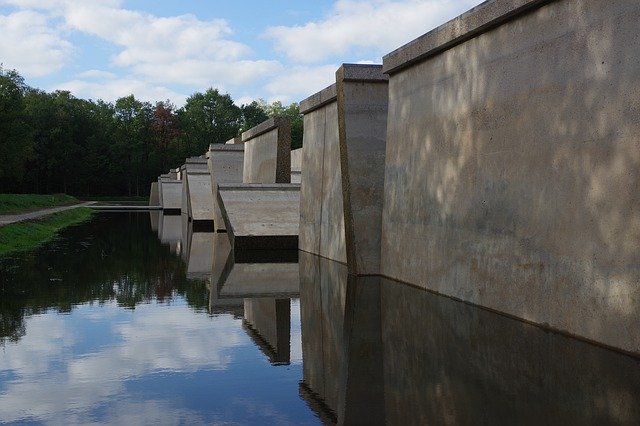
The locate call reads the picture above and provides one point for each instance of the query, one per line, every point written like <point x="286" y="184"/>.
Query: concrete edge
<point x="365" y="73"/>
<point x="258" y="186"/>
<point x="480" y="19"/>
<point x="236" y="140"/>
<point x="263" y="127"/>
<point x="319" y="99"/>
<point x="224" y="147"/>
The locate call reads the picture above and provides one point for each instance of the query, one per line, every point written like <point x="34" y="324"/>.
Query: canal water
<point x="134" y="318"/>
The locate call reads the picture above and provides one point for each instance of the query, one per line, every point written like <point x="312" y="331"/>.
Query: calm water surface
<point x="127" y="320"/>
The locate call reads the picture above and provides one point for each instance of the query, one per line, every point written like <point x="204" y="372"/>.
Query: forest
<point x="57" y="143"/>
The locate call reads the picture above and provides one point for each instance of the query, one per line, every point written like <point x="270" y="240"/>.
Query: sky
<point x="279" y="50"/>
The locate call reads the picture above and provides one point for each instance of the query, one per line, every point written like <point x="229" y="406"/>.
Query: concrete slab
<point x="267" y="157"/>
<point x="197" y="195"/>
<point x="234" y="141"/>
<point x="261" y="216"/>
<point x="226" y="163"/>
<point x="296" y="165"/>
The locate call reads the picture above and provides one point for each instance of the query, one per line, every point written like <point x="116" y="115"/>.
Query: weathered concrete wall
<point x="197" y="196"/>
<point x="154" y="195"/>
<point x="513" y="160"/>
<point x="236" y="140"/>
<point x="226" y="163"/>
<point x="171" y="194"/>
<point x="267" y="152"/>
<point x="296" y="165"/>
<point x="261" y="216"/>
<point x="321" y="208"/>
<point x="343" y="168"/>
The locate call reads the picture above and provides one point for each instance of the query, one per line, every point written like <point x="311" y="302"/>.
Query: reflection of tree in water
<point x="114" y="257"/>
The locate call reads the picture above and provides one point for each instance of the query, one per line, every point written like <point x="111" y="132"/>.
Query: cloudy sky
<point x="275" y="50"/>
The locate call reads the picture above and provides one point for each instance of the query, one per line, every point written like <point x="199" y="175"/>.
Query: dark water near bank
<point x="127" y="321"/>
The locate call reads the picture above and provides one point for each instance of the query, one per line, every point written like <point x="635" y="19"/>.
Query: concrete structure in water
<point x="154" y="195"/>
<point x="512" y="164"/>
<point x="261" y="216"/>
<point x="343" y="168"/>
<point x="226" y="164"/>
<point x="197" y="196"/>
<point x="170" y="193"/>
<point x="267" y="148"/>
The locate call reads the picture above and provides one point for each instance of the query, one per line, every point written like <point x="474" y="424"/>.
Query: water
<point x="123" y="321"/>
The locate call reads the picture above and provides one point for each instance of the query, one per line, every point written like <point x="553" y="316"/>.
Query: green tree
<point x="252" y="115"/>
<point x="276" y="109"/>
<point x="16" y="138"/>
<point x="207" y="118"/>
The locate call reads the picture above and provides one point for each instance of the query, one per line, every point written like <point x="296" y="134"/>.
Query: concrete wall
<point x="343" y="168"/>
<point x="513" y="163"/>
<point x="296" y="165"/>
<point x="236" y="140"/>
<point x="226" y="163"/>
<point x="171" y="194"/>
<point x="321" y="207"/>
<point x="197" y="196"/>
<point x="154" y="195"/>
<point x="267" y="152"/>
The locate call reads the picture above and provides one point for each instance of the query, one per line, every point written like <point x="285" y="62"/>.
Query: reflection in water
<point x="103" y="326"/>
<point x="377" y="351"/>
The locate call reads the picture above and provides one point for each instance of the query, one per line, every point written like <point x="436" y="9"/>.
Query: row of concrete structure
<point x="494" y="160"/>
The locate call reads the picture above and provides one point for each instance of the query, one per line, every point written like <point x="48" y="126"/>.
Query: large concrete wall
<point x="321" y="208"/>
<point x="513" y="163"/>
<point x="226" y="163"/>
<point x="296" y="165"/>
<point x="171" y="194"/>
<point x="197" y="196"/>
<point x="343" y="168"/>
<point x="267" y="149"/>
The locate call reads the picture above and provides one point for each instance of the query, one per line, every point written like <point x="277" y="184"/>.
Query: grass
<point x="25" y="236"/>
<point x="22" y="203"/>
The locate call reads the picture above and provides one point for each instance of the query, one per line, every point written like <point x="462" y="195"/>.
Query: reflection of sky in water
<point x="159" y="363"/>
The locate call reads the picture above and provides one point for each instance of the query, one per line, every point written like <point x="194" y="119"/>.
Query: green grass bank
<point x="25" y="236"/>
<point x="22" y="203"/>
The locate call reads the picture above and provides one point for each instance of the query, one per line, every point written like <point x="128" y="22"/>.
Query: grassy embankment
<point x="24" y="236"/>
<point x="22" y="203"/>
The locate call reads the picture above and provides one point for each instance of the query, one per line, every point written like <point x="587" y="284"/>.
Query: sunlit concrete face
<point x="267" y="149"/>
<point x="296" y="165"/>
<point x="512" y="167"/>
<point x="321" y="201"/>
<point x="171" y="194"/>
<point x="226" y="164"/>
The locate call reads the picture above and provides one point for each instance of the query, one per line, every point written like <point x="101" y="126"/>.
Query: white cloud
<point x="382" y="25"/>
<point x="298" y="83"/>
<point x="108" y="88"/>
<point x="31" y="45"/>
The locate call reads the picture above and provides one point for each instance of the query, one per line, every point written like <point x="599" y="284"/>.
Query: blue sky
<point x="274" y="50"/>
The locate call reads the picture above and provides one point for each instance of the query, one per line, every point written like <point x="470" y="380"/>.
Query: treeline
<point x="54" y="142"/>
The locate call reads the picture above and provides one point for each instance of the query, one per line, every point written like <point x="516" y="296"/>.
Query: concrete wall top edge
<point x="260" y="186"/>
<point x="361" y="73"/>
<point x="263" y="127"/>
<point x="235" y="140"/>
<point x="482" y="18"/>
<point x="224" y="147"/>
<point x="196" y="160"/>
<point x="317" y="100"/>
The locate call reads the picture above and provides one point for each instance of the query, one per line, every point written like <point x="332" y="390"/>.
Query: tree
<point x="166" y="133"/>
<point x="16" y="139"/>
<point x="252" y="115"/>
<point x="276" y="109"/>
<point x="209" y="118"/>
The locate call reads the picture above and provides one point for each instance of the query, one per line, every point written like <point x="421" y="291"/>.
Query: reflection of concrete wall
<point x="169" y="228"/>
<point x="512" y="167"/>
<point x="270" y="319"/>
<point x="344" y="150"/>
<point x="221" y="253"/>
<point x="267" y="155"/>
<point x="226" y="164"/>
<point x="459" y="364"/>
<point x="200" y="257"/>
<point x="296" y="165"/>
